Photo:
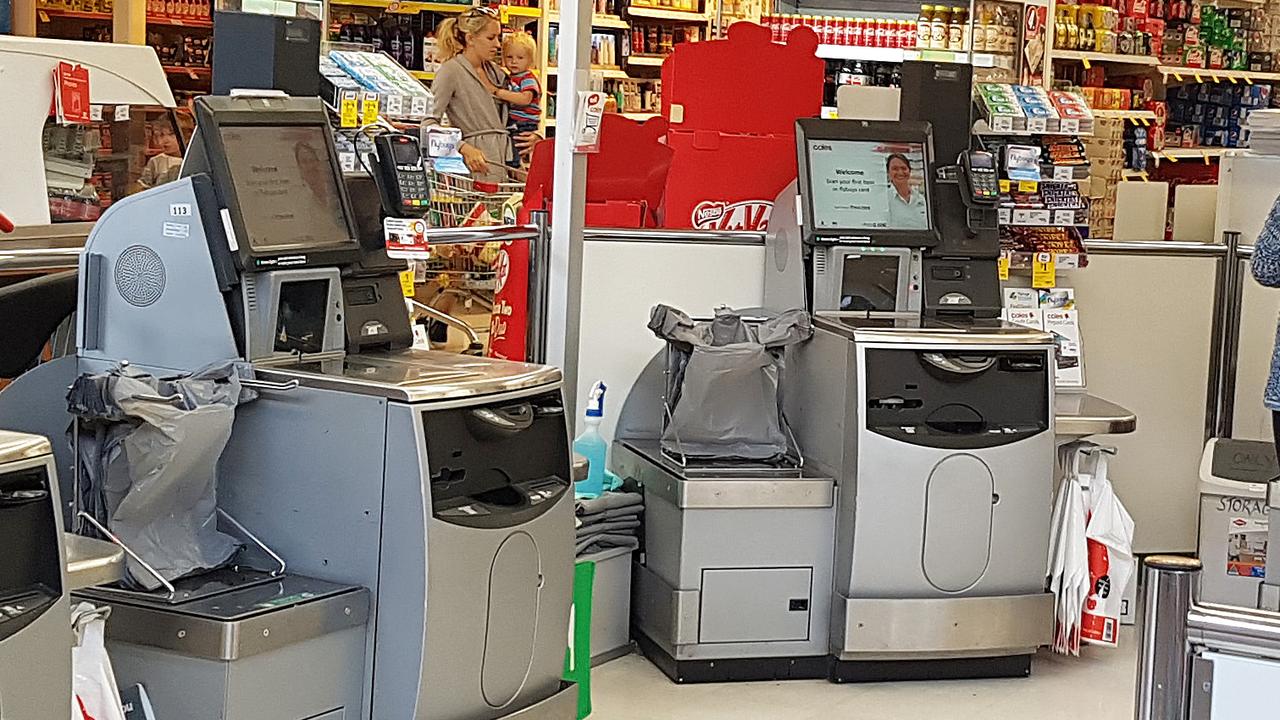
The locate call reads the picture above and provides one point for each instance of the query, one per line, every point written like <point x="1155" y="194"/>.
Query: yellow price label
<point x="369" y="109"/>
<point x="1170" y="158"/>
<point x="1205" y="155"/>
<point x="1178" y="77"/>
<point x="1144" y="177"/>
<point x="1232" y="79"/>
<point x="1043" y="274"/>
<point x="1027" y="186"/>
<point x="1198" y="78"/>
<point x="1248" y="80"/>
<point x="1145" y="122"/>
<point x="1006" y="186"/>
<point x="349" y="110"/>
<point x="406" y="283"/>
<point x="1086" y="63"/>
<point x="1003" y="265"/>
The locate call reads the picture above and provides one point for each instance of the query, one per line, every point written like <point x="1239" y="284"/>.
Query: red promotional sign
<point x="71" y="93"/>
<point x="509" y="320"/>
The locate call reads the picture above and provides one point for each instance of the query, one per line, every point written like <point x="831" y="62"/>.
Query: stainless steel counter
<point x="92" y="562"/>
<point x="43" y="248"/>
<point x="1081" y="415"/>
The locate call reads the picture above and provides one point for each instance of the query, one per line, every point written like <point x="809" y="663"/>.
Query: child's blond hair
<point x="521" y="40"/>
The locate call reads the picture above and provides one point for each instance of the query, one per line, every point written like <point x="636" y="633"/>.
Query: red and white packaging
<point x="1109" y="534"/>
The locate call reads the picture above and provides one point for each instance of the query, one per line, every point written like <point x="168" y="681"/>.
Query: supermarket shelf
<point x="982" y="127"/>
<point x="44" y="14"/>
<point x="1113" y="58"/>
<point x="193" y="22"/>
<point x="195" y="73"/>
<point x="1196" y="153"/>
<point x="423" y="74"/>
<point x="612" y="73"/>
<point x="664" y="14"/>
<point x="649" y="60"/>
<point x="1124" y="114"/>
<point x="1185" y="74"/>
<point x="510" y="11"/>
<point x="857" y="52"/>
<point x="407" y="7"/>
<point x="950" y="56"/>
<point x="598" y="21"/>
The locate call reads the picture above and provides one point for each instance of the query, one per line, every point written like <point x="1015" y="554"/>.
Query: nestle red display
<point x="625" y="179"/>
<point x="732" y="105"/>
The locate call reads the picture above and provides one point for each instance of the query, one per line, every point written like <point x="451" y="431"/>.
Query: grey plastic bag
<point x="148" y="453"/>
<point x="725" y="385"/>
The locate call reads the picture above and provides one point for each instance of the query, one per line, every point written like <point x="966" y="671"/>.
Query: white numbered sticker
<point x="1002" y="123"/>
<point x="1062" y="173"/>
<point x="1037" y="125"/>
<point x="95" y="113"/>
<point x="348" y="161"/>
<point x="180" y="209"/>
<point x="122" y="113"/>
<point x="1069" y="126"/>
<point x="1067" y="261"/>
<point x="395" y="106"/>
<point x="1006" y="215"/>
<point x="1064" y="217"/>
<point x="419" y="106"/>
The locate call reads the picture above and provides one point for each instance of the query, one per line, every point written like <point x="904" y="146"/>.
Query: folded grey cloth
<point x="601" y="542"/>
<point x="608" y="526"/>
<point x="631" y="511"/>
<point x="609" y="501"/>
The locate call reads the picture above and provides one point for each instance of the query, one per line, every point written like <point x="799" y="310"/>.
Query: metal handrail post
<point x="539" y="278"/>
<point x="1230" y="335"/>
<point x="1164" y="660"/>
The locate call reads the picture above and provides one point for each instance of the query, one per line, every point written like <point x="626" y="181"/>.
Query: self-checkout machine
<point x="935" y="418"/>
<point x="354" y="461"/>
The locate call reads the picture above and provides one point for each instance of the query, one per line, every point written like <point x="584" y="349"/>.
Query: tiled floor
<point x="1096" y="686"/>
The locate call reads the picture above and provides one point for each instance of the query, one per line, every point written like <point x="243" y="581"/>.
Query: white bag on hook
<point x="96" y="696"/>
<point x="1109" y="533"/>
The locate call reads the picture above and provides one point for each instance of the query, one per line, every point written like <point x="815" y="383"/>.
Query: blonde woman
<point x="467" y="89"/>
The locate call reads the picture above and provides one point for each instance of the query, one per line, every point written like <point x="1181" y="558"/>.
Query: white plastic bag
<point x="93" y="681"/>
<point x="1111" y="563"/>
<point x="1068" y="571"/>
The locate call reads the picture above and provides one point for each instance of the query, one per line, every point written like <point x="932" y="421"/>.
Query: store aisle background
<point x="1098" y="686"/>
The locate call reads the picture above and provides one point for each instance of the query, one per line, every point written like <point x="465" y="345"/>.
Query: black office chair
<point x="32" y="310"/>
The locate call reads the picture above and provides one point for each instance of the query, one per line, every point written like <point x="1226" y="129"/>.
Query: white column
<point x="569" y="198"/>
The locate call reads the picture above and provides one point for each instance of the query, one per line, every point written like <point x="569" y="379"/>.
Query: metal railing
<point x="1175" y="677"/>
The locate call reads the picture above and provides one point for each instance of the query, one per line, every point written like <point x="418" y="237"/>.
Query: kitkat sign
<point x="741" y="215"/>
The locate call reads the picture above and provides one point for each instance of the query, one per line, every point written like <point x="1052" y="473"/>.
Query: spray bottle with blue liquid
<point x="591" y="445"/>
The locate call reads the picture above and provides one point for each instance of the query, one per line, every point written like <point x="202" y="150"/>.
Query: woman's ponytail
<point x="449" y="40"/>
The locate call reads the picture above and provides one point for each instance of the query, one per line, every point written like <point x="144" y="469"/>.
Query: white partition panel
<point x="622" y="280"/>
<point x="1146" y="324"/>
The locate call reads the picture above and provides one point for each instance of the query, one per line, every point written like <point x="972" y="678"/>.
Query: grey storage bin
<point x="610" y="604"/>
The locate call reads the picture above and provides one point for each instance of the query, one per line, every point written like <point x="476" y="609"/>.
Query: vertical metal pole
<point x="1164" y="664"/>
<point x="539" y="252"/>
<point x="568" y="198"/>
<point x="1230" y="335"/>
<point x="1217" y="327"/>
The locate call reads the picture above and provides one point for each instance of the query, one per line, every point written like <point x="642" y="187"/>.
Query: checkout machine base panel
<point x="290" y="649"/>
<point x="938" y="638"/>
<point x="729" y="669"/>
<point x="735" y="582"/>
<point x="856" y="671"/>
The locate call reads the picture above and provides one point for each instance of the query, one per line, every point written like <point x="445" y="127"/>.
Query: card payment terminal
<point x="402" y="175"/>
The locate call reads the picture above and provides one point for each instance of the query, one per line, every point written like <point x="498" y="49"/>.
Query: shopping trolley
<point x="462" y="201"/>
